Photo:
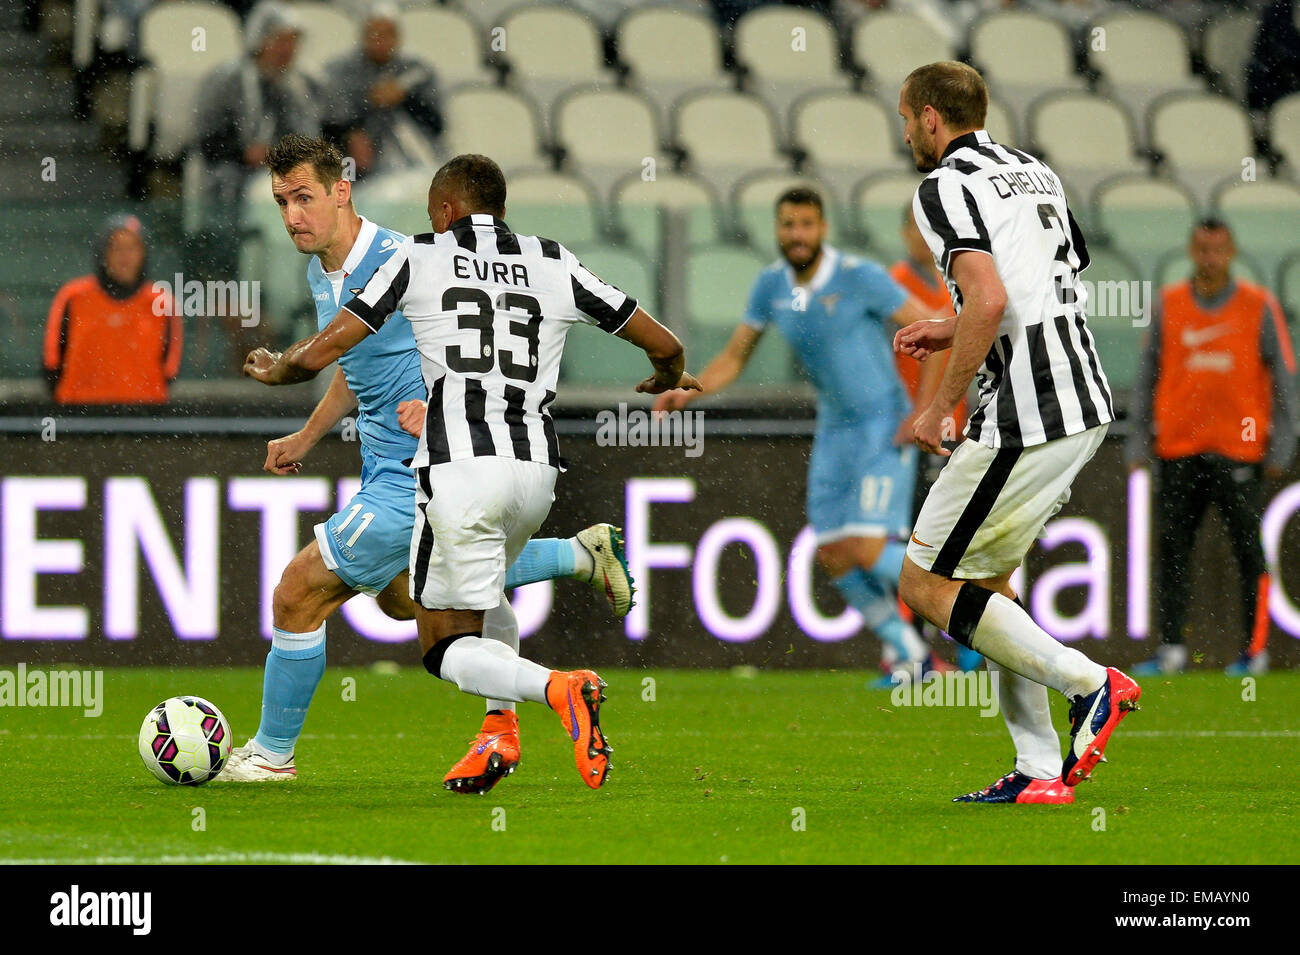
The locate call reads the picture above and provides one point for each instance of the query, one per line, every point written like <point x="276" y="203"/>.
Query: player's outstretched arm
<point x="303" y="360"/>
<point x="665" y="351"/>
<point x="725" y="368"/>
<point x="284" y="455"/>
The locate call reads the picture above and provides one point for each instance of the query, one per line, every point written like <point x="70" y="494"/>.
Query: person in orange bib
<point x="1216" y="400"/>
<point x="111" y="338"/>
<point x="916" y="272"/>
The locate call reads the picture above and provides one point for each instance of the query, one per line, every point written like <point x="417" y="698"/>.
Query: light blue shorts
<point x="859" y="483"/>
<point x="368" y="542"/>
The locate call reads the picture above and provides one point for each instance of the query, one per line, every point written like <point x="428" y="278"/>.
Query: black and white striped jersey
<point x="490" y="311"/>
<point x="1041" y="379"/>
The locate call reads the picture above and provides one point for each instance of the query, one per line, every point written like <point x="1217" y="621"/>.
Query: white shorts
<point x="472" y="519"/>
<point x="989" y="504"/>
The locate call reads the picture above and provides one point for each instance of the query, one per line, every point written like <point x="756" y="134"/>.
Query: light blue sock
<point x="889" y="565"/>
<point x="544" y="558"/>
<point x="879" y="610"/>
<point x="293" y="669"/>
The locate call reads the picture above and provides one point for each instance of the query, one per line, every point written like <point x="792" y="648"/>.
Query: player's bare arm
<point x="284" y="455"/>
<point x="303" y="360"/>
<point x="665" y="352"/>
<point x="983" y="301"/>
<point x="725" y="368"/>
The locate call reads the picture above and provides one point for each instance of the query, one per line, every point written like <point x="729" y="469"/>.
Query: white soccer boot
<point x="605" y="544"/>
<point x="248" y="764"/>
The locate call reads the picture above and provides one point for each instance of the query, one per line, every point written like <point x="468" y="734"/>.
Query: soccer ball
<point x="185" y="741"/>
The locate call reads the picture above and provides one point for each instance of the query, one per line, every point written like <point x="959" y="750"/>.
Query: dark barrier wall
<point x="156" y="549"/>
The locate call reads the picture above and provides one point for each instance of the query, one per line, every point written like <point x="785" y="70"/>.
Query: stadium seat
<point x="1085" y="138"/>
<point x="636" y="205"/>
<point x="607" y="134"/>
<point x="327" y="34"/>
<point x="448" y="39"/>
<point x="1144" y="56"/>
<point x="670" y="51"/>
<point x="396" y="199"/>
<point x="753" y="206"/>
<point x="889" y="44"/>
<point x="557" y="205"/>
<point x="1021" y="55"/>
<point x="1000" y="125"/>
<point x="593" y="357"/>
<point x="490" y="13"/>
<point x="1201" y="136"/>
<point x="550" y="49"/>
<point x="1284" y="131"/>
<point x="1264" y="216"/>
<point x="877" y="204"/>
<point x="1116" y="298"/>
<point x="1226" y="43"/>
<point x="163" y="94"/>
<point x="1144" y="216"/>
<point x="718" y="280"/>
<point x="786" y="53"/>
<point x="725" y="135"/>
<point x="495" y="122"/>
<point x="845" y="134"/>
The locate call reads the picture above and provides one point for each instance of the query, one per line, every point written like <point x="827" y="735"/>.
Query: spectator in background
<point x="1274" y="68"/>
<point x="251" y="102"/>
<point x="111" y="338"/>
<point x="1215" y="389"/>
<point x="383" y="104"/>
<point x="244" y="106"/>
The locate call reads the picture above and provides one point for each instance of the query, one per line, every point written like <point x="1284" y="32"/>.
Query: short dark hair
<point x="477" y="179"/>
<point x="1211" y="224"/>
<point x="802" y="196"/>
<point x="955" y="90"/>
<point x="295" y="150"/>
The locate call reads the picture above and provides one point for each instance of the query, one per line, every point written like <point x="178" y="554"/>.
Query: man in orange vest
<point x="111" y="338"/>
<point x="916" y="272"/>
<point x="1215" y="391"/>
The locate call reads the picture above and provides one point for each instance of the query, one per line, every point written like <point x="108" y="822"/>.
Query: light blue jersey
<point x="839" y="326"/>
<point x="859" y="483"/>
<point x="383" y="370"/>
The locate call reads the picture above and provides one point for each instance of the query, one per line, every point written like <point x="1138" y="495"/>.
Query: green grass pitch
<point x="789" y="767"/>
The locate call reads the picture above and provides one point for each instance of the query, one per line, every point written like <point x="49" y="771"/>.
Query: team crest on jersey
<point x="829" y="301"/>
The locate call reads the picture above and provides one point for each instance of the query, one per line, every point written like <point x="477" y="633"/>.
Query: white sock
<point x="500" y="624"/>
<point x="584" y="566"/>
<point x="491" y="669"/>
<point x="1009" y="636"/>
<point x="1028" y="717"/>
<point x="275" y="759"/>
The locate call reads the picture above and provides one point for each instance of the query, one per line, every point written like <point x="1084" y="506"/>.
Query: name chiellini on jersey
<point x="490" y="310"/>
<point x="1041" y="379"/>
